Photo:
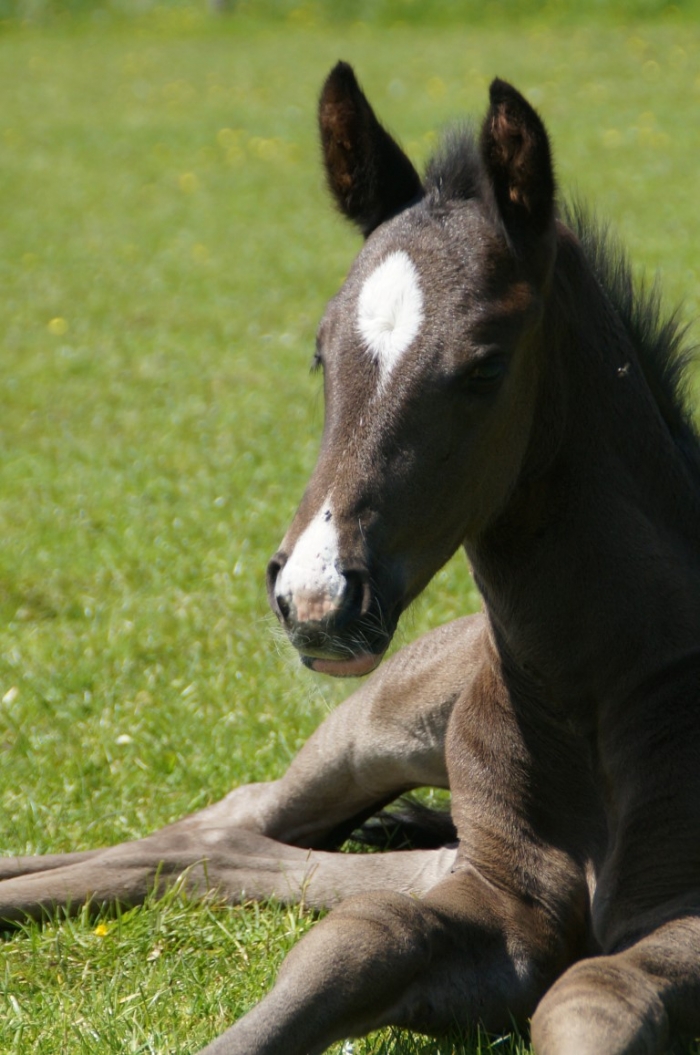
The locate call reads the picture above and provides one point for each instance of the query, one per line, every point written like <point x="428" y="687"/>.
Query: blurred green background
<point x="167" y="247"/>
<point x="375" y="13"/>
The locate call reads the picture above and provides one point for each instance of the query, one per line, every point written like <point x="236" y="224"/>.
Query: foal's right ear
<point x="516" y="154"/>
<point x="368" y="173"/>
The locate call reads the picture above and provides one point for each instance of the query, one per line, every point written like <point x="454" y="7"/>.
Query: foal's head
<point x="429" y="355"/>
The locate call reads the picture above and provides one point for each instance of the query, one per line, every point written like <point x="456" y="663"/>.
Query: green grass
<point x="167" y="250"/>
<point x="376" y="13"/>
<point x="146" y="982"/>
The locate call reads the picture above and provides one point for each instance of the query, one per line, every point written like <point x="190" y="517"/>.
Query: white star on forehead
<point x="390" y="310"/>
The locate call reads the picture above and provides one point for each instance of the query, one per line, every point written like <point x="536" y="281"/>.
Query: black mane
<point x="455" y="171"/>
<point x="660" y="337"/>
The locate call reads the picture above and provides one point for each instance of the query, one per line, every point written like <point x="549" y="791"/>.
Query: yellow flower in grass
<point x="101" y="930"/>
<point x="57" y="326"/>
<point x="436" y="88"/>
<point x="188" y="183"/>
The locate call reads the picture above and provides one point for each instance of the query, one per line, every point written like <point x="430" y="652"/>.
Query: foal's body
<point x="486" y="384"/>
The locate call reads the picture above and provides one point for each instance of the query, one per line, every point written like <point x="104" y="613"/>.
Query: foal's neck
<point x="598" y="545"/>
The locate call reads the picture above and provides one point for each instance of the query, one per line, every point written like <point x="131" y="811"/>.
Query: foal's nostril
<point x="277" y="603"/>
<point x="355" y="596"/>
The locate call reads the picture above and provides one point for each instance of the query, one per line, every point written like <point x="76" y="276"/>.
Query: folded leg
<point x="385" y="739"/>
<point x="18" y="866"/>
<point x="388" y="737"/>
<point x="645" y="990"/>
<point x="235" y="864"/>
<point x="465" y="953"/>
<point x="630" y="1003"/>
<point x="487" y="940"/>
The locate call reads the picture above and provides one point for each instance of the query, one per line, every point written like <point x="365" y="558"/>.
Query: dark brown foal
<point x="491" y="381"/>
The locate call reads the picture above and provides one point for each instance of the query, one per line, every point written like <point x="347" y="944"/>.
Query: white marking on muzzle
<point x="310" y="582"/>
<point x="390" y="310"/>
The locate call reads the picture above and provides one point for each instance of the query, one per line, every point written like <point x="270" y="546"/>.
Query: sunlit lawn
<point x="166" y="251"/>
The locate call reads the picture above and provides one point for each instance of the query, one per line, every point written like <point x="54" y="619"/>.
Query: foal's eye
<point x="317" y="361"/>
<point x="486" y="375"/>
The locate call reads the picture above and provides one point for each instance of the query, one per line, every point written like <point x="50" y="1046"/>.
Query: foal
<point x="490" y="381"/>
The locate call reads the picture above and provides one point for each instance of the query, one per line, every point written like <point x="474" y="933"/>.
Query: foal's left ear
<point x="516" y="154"/>
<point x="368" y="173"/>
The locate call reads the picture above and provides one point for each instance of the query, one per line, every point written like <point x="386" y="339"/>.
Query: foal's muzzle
<point x="328" y="622"/>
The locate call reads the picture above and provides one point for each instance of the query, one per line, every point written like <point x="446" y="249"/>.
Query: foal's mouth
<point x="351" y="667"/>
<point x="343" y="632"/>
<point x="326" y="650"/>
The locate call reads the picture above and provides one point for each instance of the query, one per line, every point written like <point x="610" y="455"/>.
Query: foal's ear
<point x="368" y="173"/>
<point x="515" y="151"/>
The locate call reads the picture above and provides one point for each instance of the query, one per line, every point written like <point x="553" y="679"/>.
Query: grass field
<point x="166" y="251"/>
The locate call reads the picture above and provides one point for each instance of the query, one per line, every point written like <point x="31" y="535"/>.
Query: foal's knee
<point x="601" y="1006"/>
<point x="352" y="969"/>
<point x="376" y="935"/>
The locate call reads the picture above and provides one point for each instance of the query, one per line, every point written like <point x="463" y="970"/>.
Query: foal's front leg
<point x="482" y="944"/>
<point x="387" y="737"/>
<point x="645" y="990"/>
<point x="466" y="953"/>
<point x="633" y="1002"/>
